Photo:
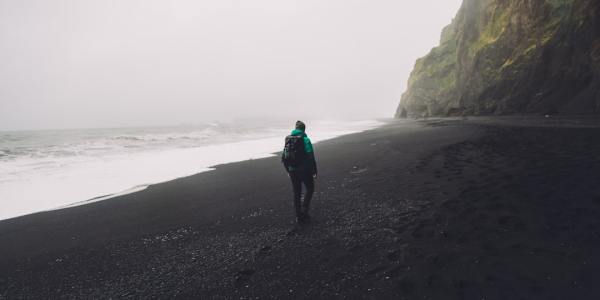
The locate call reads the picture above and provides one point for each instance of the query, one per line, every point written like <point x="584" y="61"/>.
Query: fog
<point x="83" y="63"/>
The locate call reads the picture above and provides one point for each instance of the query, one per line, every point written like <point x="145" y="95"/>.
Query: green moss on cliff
<point x="492" y="30"/>
<point x="556" y="4"/>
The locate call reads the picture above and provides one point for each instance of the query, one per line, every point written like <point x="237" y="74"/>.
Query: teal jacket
<point x="310" y="164"/>
<point x="308" y="148"/>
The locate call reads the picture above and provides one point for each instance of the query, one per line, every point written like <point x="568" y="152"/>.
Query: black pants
<point x="299" y="178"/>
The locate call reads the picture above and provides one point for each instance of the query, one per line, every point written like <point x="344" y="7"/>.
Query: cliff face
<point x="511" y="56"/>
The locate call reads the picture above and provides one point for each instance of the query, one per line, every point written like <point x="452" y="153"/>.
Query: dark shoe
<point x="305" y="216"/>
<point x="302" y="218"/>
<point x="304" y="210"/>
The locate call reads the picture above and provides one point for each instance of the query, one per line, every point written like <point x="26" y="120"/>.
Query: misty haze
<point x="74" y="64"/>
<point x="332" y="149"/>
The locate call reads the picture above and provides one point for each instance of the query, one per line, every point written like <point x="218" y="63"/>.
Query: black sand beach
<point x="485" y="208"/>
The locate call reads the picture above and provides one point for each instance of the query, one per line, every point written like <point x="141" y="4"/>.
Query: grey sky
<point x="108" y="63"/>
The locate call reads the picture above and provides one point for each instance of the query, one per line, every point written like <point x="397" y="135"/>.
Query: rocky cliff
<point x="511" y="56"/>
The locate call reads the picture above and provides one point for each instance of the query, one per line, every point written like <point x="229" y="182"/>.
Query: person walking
<point x="298" y="158"/>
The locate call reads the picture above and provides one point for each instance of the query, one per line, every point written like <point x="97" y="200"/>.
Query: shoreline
<point x="256" y="148"/>
<point x="440" y="208"/>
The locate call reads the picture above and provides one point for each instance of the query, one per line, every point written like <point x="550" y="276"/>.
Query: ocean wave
<point x="10" y="138"/>
<point x="128" y="138"/>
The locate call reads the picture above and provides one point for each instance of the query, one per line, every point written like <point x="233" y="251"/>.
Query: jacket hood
<point x="298" y="132"/>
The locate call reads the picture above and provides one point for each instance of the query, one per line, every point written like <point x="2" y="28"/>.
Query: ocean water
<point x="53" y="169"/>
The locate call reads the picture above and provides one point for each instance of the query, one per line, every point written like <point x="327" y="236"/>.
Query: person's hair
<point x="300" y="125"/>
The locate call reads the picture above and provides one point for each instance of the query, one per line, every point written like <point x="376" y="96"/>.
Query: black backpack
<point x="293" y="153"/>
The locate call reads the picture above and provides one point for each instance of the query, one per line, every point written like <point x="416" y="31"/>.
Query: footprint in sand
<point x="394" y="255"/>
<point x="357" y="170"/>
<point x="423" y="230"/>
<point x="265" y="250"/>
<point x="243" y="276"/>
<point x="511" y="222"/>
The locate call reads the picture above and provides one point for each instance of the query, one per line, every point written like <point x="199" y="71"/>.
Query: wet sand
<point x="493" y="208"/>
